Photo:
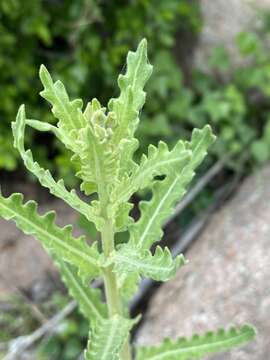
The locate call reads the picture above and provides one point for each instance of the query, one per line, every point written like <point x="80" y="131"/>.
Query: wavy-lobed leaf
<point x="167" y="192"/>
<point x="56" y="239"/>
<point x="67" y="112"/>
<point x="88" y="298"/>
<point x="148" y="229"/>
<point x="45" y="178"/>
<point x="122" y="217"/>
<point x="70" y="143"/>
<point x="197" y="346"/>
<point x="128" y="284"/>
<point x="160" y="266"/>
<point x="98" y="165"/>
<point x="160" y="161"/>
<point x="132" y="97"/>
<point x="107" y="338"/>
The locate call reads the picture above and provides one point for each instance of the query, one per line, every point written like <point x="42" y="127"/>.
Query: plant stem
<point x="113" y="298"/>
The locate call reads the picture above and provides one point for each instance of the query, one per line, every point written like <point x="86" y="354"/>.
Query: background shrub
<point x="84" y="43"/>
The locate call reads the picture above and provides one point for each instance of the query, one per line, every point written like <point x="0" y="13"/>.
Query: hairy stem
<point x="113" y="298"/>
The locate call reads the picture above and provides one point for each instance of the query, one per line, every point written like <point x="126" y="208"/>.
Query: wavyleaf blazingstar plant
<point x="103" y="145"/>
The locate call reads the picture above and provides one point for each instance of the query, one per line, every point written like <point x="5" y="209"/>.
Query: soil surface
<point x="24" y="264"/>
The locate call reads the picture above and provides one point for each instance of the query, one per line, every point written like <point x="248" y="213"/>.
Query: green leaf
<point x="201" y="140"/>
<point x="165" y="193"/>
<point x="98" y="164"/>
<point x="44" y="176"/>
<point x="132" y="97"/>
<point x="122" y="218"/>
<point x="128" y="284"/>
<point x="67" y="112"/>
<point x="260" y="150"/>
<point x="89" y="299"/>
<point x="57" y="240"/>
<point x="127" y="148"/>
<point x="160" y="161"/>
<point x="160" y="266"/>
<point x="198" y="346"/>
<point x="43" y="126"/>
<point x="107" y="338"/>
<point x="96" y="156"/>
<point x="248" y="43"/>
<point x="99" y="161"/>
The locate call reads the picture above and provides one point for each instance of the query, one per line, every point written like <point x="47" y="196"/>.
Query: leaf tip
<point x="210" y="131"/>
<point x="21" y="108"/>
<point x="143" y="44"/>
<point x="21" y="112"/>
<point x="44" y="74"/>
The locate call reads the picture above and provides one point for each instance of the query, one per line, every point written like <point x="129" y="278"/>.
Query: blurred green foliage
<point x="68" y="338"/>
<point x="84" y="43"/>
<point x="236" y="101"/>
<point x="65" y="342"/>
<point x="16" y="317"/>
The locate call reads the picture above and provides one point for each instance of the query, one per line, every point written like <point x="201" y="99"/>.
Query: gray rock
<point x="222" y="21"/>
<point x="227" y="279"/>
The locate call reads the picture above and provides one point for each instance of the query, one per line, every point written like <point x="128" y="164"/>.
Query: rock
<point x="227" y="279"/>
<point x="222" y="21"/>
<point x="24" y="264"/>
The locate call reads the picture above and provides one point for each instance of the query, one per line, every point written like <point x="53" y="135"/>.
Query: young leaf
<point x="89" y="299"/>
<point x="57" y="240"/>
<point x="44" y="176"/>
<point x="107" y="338"/>
<point x="198" y="346"/>
<point x="160" y="266"/>
<point x="67" y="112"/>
<point x="98" y="163"/>
<point x="132" y="97"/>
<point x="167" y="192"/>
<point x="160" y="161"/>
